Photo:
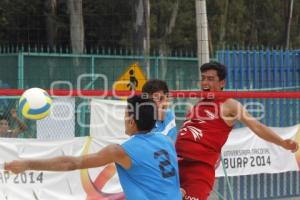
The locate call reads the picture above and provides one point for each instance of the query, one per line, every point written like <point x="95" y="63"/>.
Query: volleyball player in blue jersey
<point x="146" y="162"/>
<point x="157" y="90"/>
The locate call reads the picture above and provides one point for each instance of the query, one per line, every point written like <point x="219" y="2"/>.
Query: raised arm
<point x="21" y="125"/>
<point x="238" y="112"/>
<point x="109" y="154"/>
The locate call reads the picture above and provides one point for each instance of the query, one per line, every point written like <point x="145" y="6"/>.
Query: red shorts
<point x="196" y="178"/>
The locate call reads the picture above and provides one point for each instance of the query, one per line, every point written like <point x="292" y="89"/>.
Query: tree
<point x="112" y="23"/>
<point x="295" y="24"/>
<point x="223" y="19"/>
<point x="288" y="24"/>
<point x="164" y="18"/>
<point x="51" y="21"/>
<point x="139" y="26"/>
<point x="20" y="22"/>
<point x="183" y="37"/>
<point x="141" y="30"/>
<point x="76" y="26"/>
<point x="109" y="23"/>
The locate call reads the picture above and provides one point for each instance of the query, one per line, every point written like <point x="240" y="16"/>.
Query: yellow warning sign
<point x="132" y="79"/>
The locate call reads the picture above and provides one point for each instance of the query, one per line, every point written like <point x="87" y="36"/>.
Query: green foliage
<point x="20" y="21"/>
<point x="255" y="22"/>
<point x="184" y="33"/>
<point x="110" y="23"/>
<point x="107" y="22"/>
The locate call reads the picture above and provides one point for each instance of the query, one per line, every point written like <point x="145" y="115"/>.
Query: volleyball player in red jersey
<point x="205" y="131"/>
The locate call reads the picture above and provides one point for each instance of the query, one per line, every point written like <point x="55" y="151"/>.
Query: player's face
<point x="210" y="81"/>
<point x="162" y="102"/>
<point x="3" y="126"/>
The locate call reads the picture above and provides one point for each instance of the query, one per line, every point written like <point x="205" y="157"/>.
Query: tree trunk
<point x="147" y="36"/>
<point x="76" y="26"/>
<point x="172" y="23"/>
<point x="50" y="7"/>
<point x="76" y="37"/>
<point x="288" y="24"/>
<point x="51" y="23"/>
<point x="139" y="27"/>
<point x="141" y="34"/>
<point x="210" y="44"/>
<point x="223" y="23"/>
<point x="163" y="47"/>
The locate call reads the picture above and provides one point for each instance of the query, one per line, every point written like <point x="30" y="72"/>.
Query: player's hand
<point x="13" y="113"/>
<point x="290" y="145"/>
<point x="16" y="166"/>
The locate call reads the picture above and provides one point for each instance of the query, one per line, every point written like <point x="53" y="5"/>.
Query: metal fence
<point x="25" y="70"/>
<point x="260" y="186"/>
<point x="274" y="70"/>
<point x="264" y="70"/>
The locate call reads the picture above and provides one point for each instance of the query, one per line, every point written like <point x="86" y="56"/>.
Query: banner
<point x="107" y="118"/>
<point x="97" y="183"/>
<point x="245" y="153"/>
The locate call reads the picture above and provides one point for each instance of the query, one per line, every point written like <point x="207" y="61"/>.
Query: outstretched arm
<point x="258" y="128"/>
<point x="111" y="153"/>
<point x="21" y="125"/>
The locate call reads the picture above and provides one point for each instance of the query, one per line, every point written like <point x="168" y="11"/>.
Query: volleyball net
<point x="277" y="109"/>
<point x="250" y="168"/>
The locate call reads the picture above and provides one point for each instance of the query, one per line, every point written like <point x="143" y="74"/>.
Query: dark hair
<point x="220" y="68"/>
<point x="143" y="111"/>
<point x="155" y="85"/>
<point x="3" y="117"/>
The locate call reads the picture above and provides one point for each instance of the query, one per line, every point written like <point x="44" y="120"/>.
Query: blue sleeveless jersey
<point x="154" y="170"/>
<point x="167" y="126"/>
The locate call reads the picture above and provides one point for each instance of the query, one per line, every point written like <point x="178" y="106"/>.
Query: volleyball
<point x="35" y="103"/>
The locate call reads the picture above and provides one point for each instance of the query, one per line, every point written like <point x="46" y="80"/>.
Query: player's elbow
<point x="73" y="165"/>
<point x="69" y="164"/>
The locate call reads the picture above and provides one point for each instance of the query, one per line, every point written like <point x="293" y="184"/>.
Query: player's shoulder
<point x="231" y="102"/>
<point x="231" y="105"/>
<point x="129" y="141"/>
<point x="140" y="137"/>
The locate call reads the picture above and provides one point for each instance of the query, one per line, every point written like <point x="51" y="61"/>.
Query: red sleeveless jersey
<point x="203" y="134"/>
